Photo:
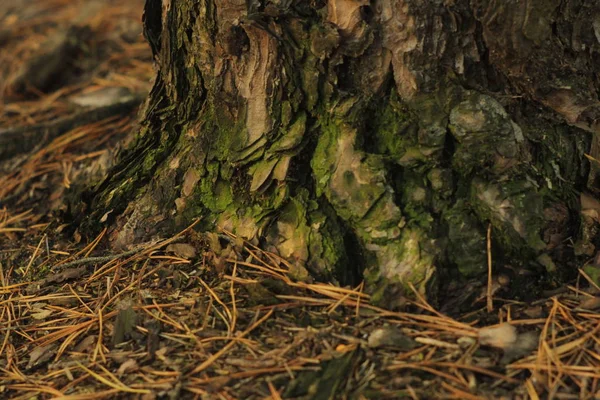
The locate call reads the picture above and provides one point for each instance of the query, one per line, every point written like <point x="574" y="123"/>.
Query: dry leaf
<point x="40" y="355"/>
<point x="128" y="366"/>
<point x="42" y="314"/>
<point x="591" y="303"/>
<point x="590" y="206"/>
<point x="103" y="97"/>
<point x="501" y="336"/>
<point x="86" y="345"/>
<point x="390" y="336"/>
<point x="182" y="250"/>
<point x="534" y="312"/>
<point x="105" y="216"/>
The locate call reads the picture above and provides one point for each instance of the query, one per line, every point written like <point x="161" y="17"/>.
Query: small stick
<point x="99" y="259"/>
<point x="490" y="302"/>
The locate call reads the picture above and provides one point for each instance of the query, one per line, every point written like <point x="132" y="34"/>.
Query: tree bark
<point x="377" y="135"/>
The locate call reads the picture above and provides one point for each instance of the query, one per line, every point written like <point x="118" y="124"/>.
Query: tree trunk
<point x="377" y="135"/>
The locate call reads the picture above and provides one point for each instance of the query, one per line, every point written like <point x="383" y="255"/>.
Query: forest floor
<point x="207" y="315"/>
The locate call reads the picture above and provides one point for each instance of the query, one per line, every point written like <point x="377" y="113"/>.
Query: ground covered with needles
<point x="207" y="315"/>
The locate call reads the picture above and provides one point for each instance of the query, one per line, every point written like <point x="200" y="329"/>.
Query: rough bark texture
<point x="380" y="134"/>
